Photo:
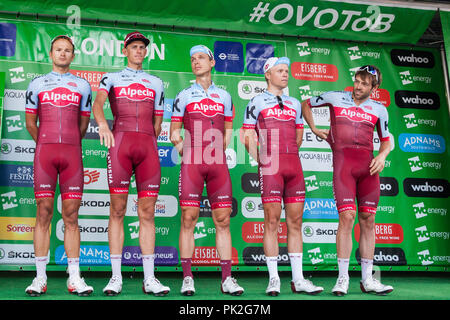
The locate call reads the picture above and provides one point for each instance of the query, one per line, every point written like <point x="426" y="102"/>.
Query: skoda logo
<point x="247" y="89"/>
<point x="6" y="148"/>
<point x="308" y="231"/>
<point x="250" y="206"/>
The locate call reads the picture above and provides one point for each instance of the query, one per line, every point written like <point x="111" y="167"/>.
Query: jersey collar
<point x="133" y="71"/>
<point x="57" y="74"/>
<point x="195" y="85"/>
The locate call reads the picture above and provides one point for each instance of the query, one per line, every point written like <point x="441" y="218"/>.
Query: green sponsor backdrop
<point x="2" y="92"/>
<point x="412" y="218"/>
<point x="322" y="19"/>
<point x="445" y="21"/>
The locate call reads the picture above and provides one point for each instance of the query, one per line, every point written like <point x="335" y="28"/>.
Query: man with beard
<point x="353" y="118"/>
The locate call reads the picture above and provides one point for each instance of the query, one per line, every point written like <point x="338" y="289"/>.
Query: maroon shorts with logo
<point x="52" y="159"/>
<point x="282" y="178"/>
<point x="134" y="152"/>
<point x="196" y="171"/>
<point x="352" y="179"/>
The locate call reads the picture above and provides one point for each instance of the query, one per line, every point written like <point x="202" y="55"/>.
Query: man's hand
<point x="377" y="164"/>
<point x="106" y="136"/>
<point x="321" y="133"/>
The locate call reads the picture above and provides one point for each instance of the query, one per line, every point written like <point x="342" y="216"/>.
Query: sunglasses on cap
<point x="370" y="69"/>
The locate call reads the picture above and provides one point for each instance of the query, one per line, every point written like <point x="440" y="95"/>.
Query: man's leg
<point x="272" y="214"/>
<point x="117" y="212"/>
<point x="221" y="218"/>
<point x="189" y="217"/>
<point x="70" y="209"/>
<point x="146" y="214"/>
<point x="294" y="214"/>
<point x="41" y="236"/>
<point x="366" y="242"/>
<point x="344" y="240"/>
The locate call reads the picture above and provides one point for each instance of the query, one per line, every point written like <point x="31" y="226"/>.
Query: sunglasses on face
<point x="370" y="69"/>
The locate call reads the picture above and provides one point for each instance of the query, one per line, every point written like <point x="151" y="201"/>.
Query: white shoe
<point x="37" y="287"/>
<point x="341" y="287"/>
<point x="114" y="286"/>
<point x="76" y="285"/>
<point x="273" y="289"/>
<point x="231" y="286"/>
<point x="306" y="286"/>
<point x="375" y="286"/>
<point x="188" y="288"/>
<point x="152" y="285"/>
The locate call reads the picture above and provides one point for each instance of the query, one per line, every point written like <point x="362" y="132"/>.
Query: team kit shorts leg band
<point x="53" y="159"/>
<point x="286" y="183"/>
<point x="137" y="153"/>
<point x="352" y="180"/>
<point x="218" y="184"/>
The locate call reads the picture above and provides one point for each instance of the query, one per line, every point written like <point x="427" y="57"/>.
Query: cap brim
<point x="144" y="40"/>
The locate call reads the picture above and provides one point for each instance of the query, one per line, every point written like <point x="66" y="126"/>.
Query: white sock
<point x="272" y="265"/>
<point x="73" y="266"/>
<point x="343" y="267"/>
<point x="148" y="263"/>
<point x="116" y="265"/>
<point x="366" y="268"/>
<point x="296" y="265"/>
<point x="41" y="266"/>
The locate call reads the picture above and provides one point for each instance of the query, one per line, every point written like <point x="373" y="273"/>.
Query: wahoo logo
<point x="422" y="234"/>
<point x="425" y="257"/>
<point x="206" y="107"/>
<point x="9" y="200"/>
<point x="412" y="58"/>
<point x="311" y="183"/>
<point x="417" y="99"/>
<point x="133" y="228"/>
<point x="415" y="164"/>
<point x="135" y="92"/>
<point x="354" y="115"/>
<point x="60" y="97"/>
<point x="419" y="210"/>
<point x="406" y="77"/>
<point x="423" y="187"/>
<point x="315" y="255"/>
<point x="276" y="113"/>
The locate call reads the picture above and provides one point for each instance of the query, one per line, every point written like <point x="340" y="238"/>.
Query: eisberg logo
<point x="422" y="143"/>
<point x="412" y="58"/>
<point x="417" y="99"/>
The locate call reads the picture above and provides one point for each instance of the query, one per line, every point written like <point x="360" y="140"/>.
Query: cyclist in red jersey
<point x="206" y="112"/>
<point x="137" y="100"/>
<point x="276" y="119"/>
<point x="62" y="104"/>
<point x="353" y="117"/>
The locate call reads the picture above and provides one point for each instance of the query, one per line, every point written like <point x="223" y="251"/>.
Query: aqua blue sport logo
<point x="89" y="255"/>
<point x="316" y="208"/>
<point x="427" y="143"/>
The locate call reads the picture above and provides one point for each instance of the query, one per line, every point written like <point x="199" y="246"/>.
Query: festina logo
<point x="60" y="97"/>
<point x="136" y="92"/>
<point x="354" y="115"/>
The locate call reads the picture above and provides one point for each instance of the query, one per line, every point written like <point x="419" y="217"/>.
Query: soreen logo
<point x="412" y="58"/>
<point x="423" y="187"/>
<point x="426" y="143"/>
